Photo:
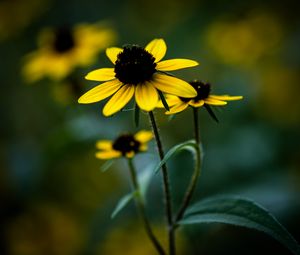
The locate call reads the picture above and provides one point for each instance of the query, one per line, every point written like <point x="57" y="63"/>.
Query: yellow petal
<point x="34" y="67"/>
<point x="214" y="101"/>
<point x="175" y="64"/>
<point x="100" y="92"/>
<point x="157" y="48"/>
<point x="130" y="154"/>
<point x="143" y="136"/>
<point x="173" y="86"/>
<point x="118" y="100"/>
<point x="104" y="145"/>
<point x="177" y="108"/>
<point x="146" y="96"/>
<point x="103" y="74"/>
<point x="108" y="154"/>
<point x="112" y="53"/>
<point x="196" y="103"/>
<point x="226" y="97"/>
<point x="143" y="147"/>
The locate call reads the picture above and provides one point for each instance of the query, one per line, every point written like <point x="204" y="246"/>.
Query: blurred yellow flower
<point x="128" y="238"/>
<point x="178" y="104"/>
<point x="45" y="229"/>
<point x="126" y="145"/>
<point x="61" y="50"/>
<point x="119" y="241"/>
<point x="18" y="14"/>
<point x="137" y="71"/>
<point x="278" y="91"/>
<point x="244" y="42"/>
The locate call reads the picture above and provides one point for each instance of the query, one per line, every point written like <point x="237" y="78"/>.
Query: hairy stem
<point x="141" y="208"/>
<point x="197" y="171"/>
<point x="166" y="186"/>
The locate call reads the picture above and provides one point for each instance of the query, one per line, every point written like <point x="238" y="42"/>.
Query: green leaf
<point x="240" y="212"/>
<point x="144" y="179"/>
<point x="163" y="100"/>
<point x="171" y="117"/>
<point x="106" y="165"/>
<point x="211" y="112"/>
<point x="188" y="145"/>
<point x="122" y="203"/>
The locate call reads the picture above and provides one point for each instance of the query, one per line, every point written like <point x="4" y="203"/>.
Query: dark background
<point x="55" y="199"/>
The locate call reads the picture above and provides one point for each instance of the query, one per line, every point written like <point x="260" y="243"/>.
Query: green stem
<point x="166" y="185"/>
<point x="197" y="171"/>
<point x="141" y="209"/>
<point x="196" y="125"/>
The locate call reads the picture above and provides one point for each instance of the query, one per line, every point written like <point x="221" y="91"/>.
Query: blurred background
<point x="54" y="198"/>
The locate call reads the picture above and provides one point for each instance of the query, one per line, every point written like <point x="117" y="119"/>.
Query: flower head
<point x="61" y="50"/>
<point x="126" y="145"/>
<point x="203" y="97"/>
<point x="137" y="71"/>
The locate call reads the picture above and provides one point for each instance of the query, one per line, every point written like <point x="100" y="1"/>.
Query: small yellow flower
<point x="137" y="71"/>
<point x="126" y="145"/>
<point x="178" y="104"/>
<point x="65" y="48"/>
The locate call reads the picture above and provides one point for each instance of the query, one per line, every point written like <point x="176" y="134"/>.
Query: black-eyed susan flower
<point x="61" y="50"/>
<point x="203" y="97"/>
<point x="137" y="71"/>
<point x="126" y="145"/>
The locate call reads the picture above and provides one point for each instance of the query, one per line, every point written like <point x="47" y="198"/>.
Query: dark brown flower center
<point x="134" y="65"/>
<point x="203" y="91"/>
<point x="63" y="40"/>
<point x="126" y="143"/>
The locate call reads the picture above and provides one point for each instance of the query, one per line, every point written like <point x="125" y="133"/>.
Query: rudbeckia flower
<point x="137" y="71"/>
<point x="203" y="97"/>
<point x="61" y="50"/>
<point x="126" y="145"/>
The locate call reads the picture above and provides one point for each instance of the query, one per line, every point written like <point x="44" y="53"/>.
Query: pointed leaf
<point x="240" y="212"/>
<point x="163" y="100"/>
<point x="106" y="165"/>
<point x="144" y="179"/>
<point x="122" y="203"/>
<point x="171" y="117"/>
<point x="211" y="113"/>
<point x="188" y="145"/>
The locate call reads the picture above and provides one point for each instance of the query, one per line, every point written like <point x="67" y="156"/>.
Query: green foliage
<point x="144" y="179"/>
<point x="240" y="212"/>
<point x="211" y="113"/>
<point x="187" y="145"/>
<point x="163" y="100"/>
<point x="107" y="165"/>
<point x="122" y="203"/>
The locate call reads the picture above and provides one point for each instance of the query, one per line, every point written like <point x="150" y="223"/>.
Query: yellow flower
<point x="243" y="42"/>
<point x="137" y="71"/>
<point x="126" y="145"/>
<point x="178" y="104"/>
<point x="65" y="48"/>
